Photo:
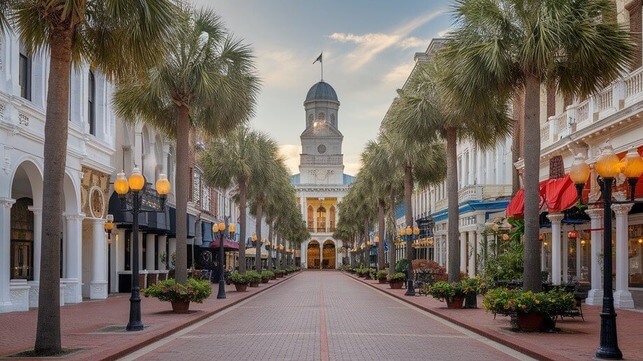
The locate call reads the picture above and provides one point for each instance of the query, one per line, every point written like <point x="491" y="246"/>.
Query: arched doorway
<point x="312" y="255"/>
<point x="329" y="255"/>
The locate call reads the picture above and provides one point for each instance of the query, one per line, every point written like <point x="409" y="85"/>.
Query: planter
<point x="455" y="303"/>
<point x="264" y="280"/>
<point x="396" y="285"/>
<point x="241" y="287"/>
<point x="531" y="321"/>
<point x="180" y="306"/>
<point x="382" y="280"/>
<point x="471" y="300"/>
<point x="254" y="284"/>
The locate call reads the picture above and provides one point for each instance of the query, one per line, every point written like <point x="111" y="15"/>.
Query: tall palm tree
<point x="118" y="37"/>
<point x="239" y="159"/>
<point x="510" y="46"/>
<point x="424" y="110"/>
<point x="206" y="82"/>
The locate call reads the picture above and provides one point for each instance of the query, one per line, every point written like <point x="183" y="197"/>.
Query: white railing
<point x="545" y="139"/>
<point x="604" y="99"/>
<point x="633" y="87"/>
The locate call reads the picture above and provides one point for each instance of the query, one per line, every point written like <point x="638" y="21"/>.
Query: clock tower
<point x="321" y="159"/>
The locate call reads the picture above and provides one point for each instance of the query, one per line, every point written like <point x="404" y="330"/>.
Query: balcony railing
<point x="477" y="192"/>
<point x="620" y="94"/>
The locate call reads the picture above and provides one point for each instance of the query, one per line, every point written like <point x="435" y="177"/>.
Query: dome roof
<point x="321" y="91"/>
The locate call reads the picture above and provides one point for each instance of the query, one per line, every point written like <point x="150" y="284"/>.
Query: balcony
<point x="621" y="94"/>
<point x="477" y="193"/>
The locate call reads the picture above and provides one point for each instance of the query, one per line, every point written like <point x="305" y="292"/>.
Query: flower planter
<point x="241" y="287"/>
<point x="455" y="303"/>
<point x="382" y="280"/>
<point x="471" y="300"/>
<point x="264" y="280"/>
<point x="531" y="321"/>
<point x="180" y="306"/>
<point x="254" y="284"/>
<point x="396" y="285"/>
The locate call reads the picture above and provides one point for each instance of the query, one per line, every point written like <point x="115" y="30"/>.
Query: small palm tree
<point x="512" y="46"/>
<point x="117" y="37"/>
<point x="205" y="82"/>
<point x="240" y="159"/>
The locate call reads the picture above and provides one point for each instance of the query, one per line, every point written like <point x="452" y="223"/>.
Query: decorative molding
<point x="7" y="202"/>
<point x="23" y="119"/>
<point x="74" y="217"/>
<point x="595" y="213"/>
<point x="555" y="217"/>
<point x="622" y="209"/>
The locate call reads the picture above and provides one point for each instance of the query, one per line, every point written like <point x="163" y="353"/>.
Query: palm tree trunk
<point x="48" y="335"/>
<point x="271" y="245"/>
<point x="531" y="278"/>
<point x="453" y="236"/>
<point x="258" y="233"/>
<point x="392" y="256"/>
<point x="181" y="191"/>
<point x="516" y="140"/>
<point x="408" y="191"/>
<point x="367" y="249"/>
<point x="243" y="196"/>
<point x="380" y="233"/>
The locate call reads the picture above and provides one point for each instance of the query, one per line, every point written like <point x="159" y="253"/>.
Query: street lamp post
<point x="377" y="251"/>
<point x="133" y="186"/>
<point x="409" y="233"/>
<point x="608" y="166"/>
<point x="220" y="229"/>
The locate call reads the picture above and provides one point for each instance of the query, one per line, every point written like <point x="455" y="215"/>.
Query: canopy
<point x="558" y="194"/>
<point x="227" y="244"/>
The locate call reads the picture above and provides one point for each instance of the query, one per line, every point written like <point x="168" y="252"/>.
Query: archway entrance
<point x="328" y="255"/>
<point x="312" y="255"/>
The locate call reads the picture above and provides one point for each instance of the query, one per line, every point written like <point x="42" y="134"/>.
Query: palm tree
<point x="264" y="189"/>
<point x="509" y="46"/>
<point x="425" y="110"/>
<point x="205" y="82"/>
<point x="240" y="159"/>
<point x="116" y="36"/>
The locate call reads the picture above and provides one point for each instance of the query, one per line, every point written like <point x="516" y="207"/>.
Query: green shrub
<point x="508" y="301"/>
<point x="445" y="291"/>
<point x="169" y="290"/>
<point x="396" y="277"/>
<point x="381" y="274"/>
<point x="402" y="265"/>
<point x="253" y="276"/>
<point x="239" y="279"/>
<point x="267" y="275"/>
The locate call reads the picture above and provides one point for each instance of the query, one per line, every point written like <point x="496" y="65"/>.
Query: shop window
<point x="24" y="76"/>
<point x="22" y="234"/>
<point x="91" y="103"/>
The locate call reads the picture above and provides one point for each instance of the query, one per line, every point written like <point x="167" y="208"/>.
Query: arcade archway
<point x="329" y="254"/>
<point x="312" y="255"/>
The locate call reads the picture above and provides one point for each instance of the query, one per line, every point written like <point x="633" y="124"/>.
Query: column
<point x="304" y="255"/>
<point x="622" y="295"/>
<point x="595" y="294"/>
<point x="321" y="255"/>
<point x="565" y="255"/>
<point x="473" y="253"/>
<point x="463" y="252"/>
<point x="579" y="254"/>
<point x="5" y="250"/>
<point x="555" y="219"/>
<point x="73" y="258"/>
<point x="34" y="289"/>
<point x="98" y="284"/>
<point x="150" y="254"/>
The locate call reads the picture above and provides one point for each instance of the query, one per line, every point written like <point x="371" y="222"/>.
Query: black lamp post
<point x="134" y="187"/>
<point x="220" y="229"/>
<point x="410" y="234"/>
<point x="608" y="166"/>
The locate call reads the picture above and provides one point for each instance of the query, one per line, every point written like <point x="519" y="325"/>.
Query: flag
<point x="319" y="58"/>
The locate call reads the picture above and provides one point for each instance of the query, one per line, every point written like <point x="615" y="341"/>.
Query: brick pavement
<point x="98" y="326"/>
<point x="577" y="340"/>
<point x="325" y="316"/>
<point x="347" y="320"/>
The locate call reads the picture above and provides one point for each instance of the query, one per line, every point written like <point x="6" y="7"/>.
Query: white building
<point x="321" y="182"/>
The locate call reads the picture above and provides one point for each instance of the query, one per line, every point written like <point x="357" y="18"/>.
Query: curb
<point x="121" y="353"/>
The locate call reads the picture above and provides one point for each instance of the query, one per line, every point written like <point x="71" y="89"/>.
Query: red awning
<point x="227" y="244"/>
<point x="557" y="194"/>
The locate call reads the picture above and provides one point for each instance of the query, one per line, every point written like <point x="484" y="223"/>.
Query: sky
<point x="368" y="48"/>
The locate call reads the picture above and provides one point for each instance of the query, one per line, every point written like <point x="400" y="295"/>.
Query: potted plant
<point x="240" y="281"/>
<point x="279" y="272"/>
<point x="266" y="276"/>
<point x="453" y="293"/>
<point x="533" y="311"/>
<point x="396" y="280"/>
<point x="253" y="278"/>
<point x="179" y="294"/>
<point x="381" y="275"/>
<point x="471" y="287"/>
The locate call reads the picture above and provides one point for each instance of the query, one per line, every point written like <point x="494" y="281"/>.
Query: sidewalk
<point x="98" y="326"/>
<point x="577" y="340"/>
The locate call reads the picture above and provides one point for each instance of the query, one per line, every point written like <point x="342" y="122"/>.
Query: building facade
<point x="321" y="182"/>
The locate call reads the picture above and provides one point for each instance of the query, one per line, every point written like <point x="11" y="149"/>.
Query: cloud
<point x="290" y="153"/>
<point x="399" y="74"/>
<point x="444" y="32"/>
<point x="276" y="68"/>
<point x="371" y="44"/>
<point x="352" y="166"/>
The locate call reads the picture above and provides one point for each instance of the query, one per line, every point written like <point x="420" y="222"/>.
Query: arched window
<point x="311" y="219"/>
<point x="321" y="219"/>
<point x="321" y="116"/>
<point x="331" y="217"/>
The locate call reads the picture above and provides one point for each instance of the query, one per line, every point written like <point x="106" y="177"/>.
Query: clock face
<point x="321" y="149"/>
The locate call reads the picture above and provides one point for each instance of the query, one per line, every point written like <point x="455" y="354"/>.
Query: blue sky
<point x="368" y="50"/>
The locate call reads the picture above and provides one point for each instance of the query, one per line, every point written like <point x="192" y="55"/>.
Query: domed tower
<point x="321" y="159"/>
